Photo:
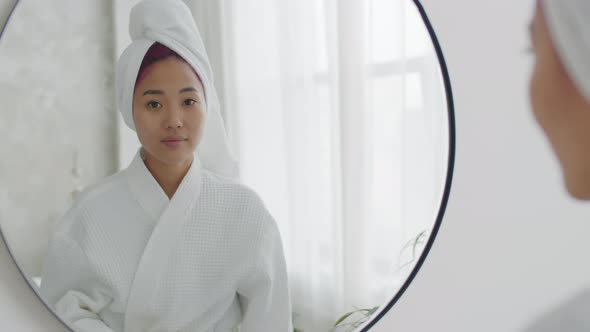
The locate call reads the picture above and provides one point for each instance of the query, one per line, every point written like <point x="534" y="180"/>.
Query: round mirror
<point x="339" y="114"/>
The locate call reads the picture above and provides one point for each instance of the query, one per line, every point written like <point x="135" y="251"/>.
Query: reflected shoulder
<point x="92" y="193"/>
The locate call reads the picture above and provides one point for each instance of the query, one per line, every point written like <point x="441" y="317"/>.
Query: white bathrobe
<point x="126" y="258"/>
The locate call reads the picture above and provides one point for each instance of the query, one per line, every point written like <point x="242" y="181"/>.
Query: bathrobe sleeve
<point x="70" y="287"/>
<point x="264" y="291"/>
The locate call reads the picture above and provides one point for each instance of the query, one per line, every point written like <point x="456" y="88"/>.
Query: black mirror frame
<point x="450" y="169"/>
<point x="446" y="192"/>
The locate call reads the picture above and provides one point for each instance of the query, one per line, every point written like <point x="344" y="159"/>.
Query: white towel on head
<point x="170" y="22"/>
<point x="569" y="26"/>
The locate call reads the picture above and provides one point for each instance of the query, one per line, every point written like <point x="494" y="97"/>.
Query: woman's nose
<point x="174" y="118"/>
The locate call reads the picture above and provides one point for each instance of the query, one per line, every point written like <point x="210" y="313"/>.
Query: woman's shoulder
<point x="95" y="194"/>
<point x="571" y="315"/>
<point x="232" y="188"/>
<point x="236" y="197"/>
<point x="102" y="187"/>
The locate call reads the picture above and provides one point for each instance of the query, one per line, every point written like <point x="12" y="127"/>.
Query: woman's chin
<point x="578" y="187"/>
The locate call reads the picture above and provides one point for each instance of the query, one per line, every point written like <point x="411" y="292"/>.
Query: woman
<point x="560" y="98"/>
<point x="560" y="86"/>
<point x="173" y="242"/>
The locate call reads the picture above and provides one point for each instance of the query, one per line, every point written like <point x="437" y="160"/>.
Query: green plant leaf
<point x="356" y="323"/>
<point x="341" y="319"/>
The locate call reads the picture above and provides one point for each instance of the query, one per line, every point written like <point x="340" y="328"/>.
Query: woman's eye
<point x="153" y="104"/>
<point x="189" y="102"/>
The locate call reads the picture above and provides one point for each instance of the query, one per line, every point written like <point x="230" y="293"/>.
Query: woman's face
<point x="169" y="111"/>
<point x="561" y="110"/>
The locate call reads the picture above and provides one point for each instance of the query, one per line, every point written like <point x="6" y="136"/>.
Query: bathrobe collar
<point x="150" y="194"/>
<point x="171" y="217"/>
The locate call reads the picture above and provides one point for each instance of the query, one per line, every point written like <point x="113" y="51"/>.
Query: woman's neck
<point x="168" y="176"/>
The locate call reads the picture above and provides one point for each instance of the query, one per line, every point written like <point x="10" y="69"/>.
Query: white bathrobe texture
<point x="126" y="258"/>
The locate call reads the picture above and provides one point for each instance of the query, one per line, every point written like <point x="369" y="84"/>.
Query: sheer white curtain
<point x="337" y="113"/>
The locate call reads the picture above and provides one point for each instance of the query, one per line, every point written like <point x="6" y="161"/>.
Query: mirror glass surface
<point x="335" y="109"/>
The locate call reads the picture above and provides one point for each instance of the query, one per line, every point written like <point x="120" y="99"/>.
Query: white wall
<point x="511" y="240"/>
<point x="57" y="116"/>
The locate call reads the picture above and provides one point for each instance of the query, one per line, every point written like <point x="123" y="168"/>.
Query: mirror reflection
<point x="219" y="165"/>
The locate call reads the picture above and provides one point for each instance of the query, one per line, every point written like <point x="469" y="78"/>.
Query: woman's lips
<point x="173" y="142"/>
